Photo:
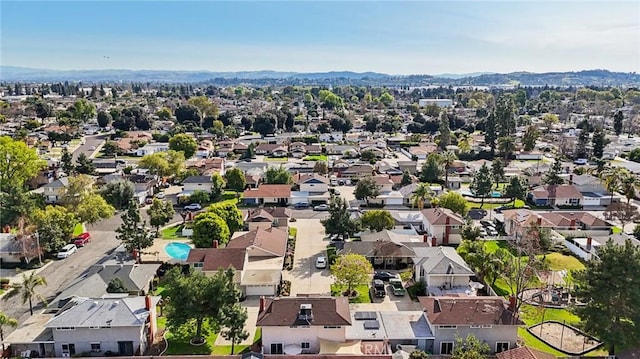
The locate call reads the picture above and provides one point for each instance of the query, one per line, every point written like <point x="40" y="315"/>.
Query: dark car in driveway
<point x="383" y="275"/>
<point x="378" y="288"/>
<point x="477" y="213"/>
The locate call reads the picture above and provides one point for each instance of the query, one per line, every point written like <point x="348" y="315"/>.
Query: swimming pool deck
<point x="156" y="252"/>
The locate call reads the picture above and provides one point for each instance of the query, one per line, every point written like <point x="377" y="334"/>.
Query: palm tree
<point x="28" y="289"/>
<point x="506" y="146"/>
<point x="6" y="320"/>
<point x="420" y="195"/>
<point x="612" y="177"/>
<point x="628" y="184"/>
<point x="464" y="141"/>
<point x="447" y="159"/>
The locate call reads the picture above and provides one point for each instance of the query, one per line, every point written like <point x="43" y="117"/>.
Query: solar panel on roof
<point x="365" y="315"/>
<point x="371" y="324"/>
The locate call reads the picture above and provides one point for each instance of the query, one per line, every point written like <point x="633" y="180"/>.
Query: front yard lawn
<point x="276" y="159"/>
<point x="229" y="197"/>
<point x="363" y="293"/>
<point x="178" y="343"/>
<point x="174" y="232"/>
<point x="315" y="158"/>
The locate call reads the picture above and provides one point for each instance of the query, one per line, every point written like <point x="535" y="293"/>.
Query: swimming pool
<point x="178" y="251"/>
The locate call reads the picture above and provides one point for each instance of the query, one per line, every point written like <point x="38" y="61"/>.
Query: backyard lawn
<point x="559" y="261"/>
<point x="363" y="293"/>
<point x="173" y="232"/>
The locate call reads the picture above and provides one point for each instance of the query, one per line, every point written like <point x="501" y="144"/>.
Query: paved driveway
<point x="305" y="277"/>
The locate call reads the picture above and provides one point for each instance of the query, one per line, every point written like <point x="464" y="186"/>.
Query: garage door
<point x="260" y="290"/>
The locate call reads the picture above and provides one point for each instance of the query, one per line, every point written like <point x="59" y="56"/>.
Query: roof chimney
<point x="539" y="221"/>
<point x="262" y="304"/>
<point x="589" y="242"/>
<point x="305" y="314"/>
<point x="571" y="179"/>
<point x="214" y="244"/>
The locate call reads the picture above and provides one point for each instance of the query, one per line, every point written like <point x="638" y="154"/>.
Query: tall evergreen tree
<point x="482" y="184"/>
<point x="133" y="231"/>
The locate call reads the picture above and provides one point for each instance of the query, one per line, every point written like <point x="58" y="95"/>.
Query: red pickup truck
<point x="82" y="239"/>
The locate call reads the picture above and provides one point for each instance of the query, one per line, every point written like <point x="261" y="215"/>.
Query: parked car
<point x="321" y="207"/>
<point x="321" y="262"/>
<point x="193" y="207"/>
<point x="354" y="209"/>
<point x="396" y="286"/>
<point x="378" y="288"/>
<point x="383" y="275"/>
<point x="501" y="208"/>
<point x="492" y="231"/>
<point x="82" y="239"/>
<point x="486" y="224"/>
<point x="483" y="232"/>
<point x="148" y="200"/>
<point x="301" y="205"/>
<point x="160" y="195"/>
<point x="66" y="251"/>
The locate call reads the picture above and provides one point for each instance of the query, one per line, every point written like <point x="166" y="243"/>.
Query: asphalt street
<point x="90" y="142"/>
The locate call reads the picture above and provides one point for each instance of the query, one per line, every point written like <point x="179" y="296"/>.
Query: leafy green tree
<point x="368" y="156"/>
<point x="490" y="132"/>
<point x="366" y="188"/>
<point x="482" y="184"/>
<point x="618" y="118"/>
<point x="516" y="189"/>
<point x="406" y="179"/>
<point x="552" y="177"/>
<point x="470" y="348"/>
<point x="116" y="285"/>
<point x="118" y="193"/>
<point x="504" y="115"/>
<point x="445" y="131"/>
<point x="104" y="119"/>
<point x="609" y="288"/>
<point x="235" y="317"/>
<point x="230" y="214"/>
<point x="386" y="99"/>
<point x="196" y="297"/>
<point x="599" y="142"/>
<point x="497" y="171"/>
<point x="250" y="152"/>
<point x="208" y="227"/>
<point x="84" y="165"/>
<point x="351" y="270"/>
<point x="133" y="231"/>
<point x="83" y="110"/>
<point x="506" y="146"/>
<point x="66" y="162"/>
<point x="235" y="179"/>
<point x="418" y="354"/>
<point x="320" y="167"/>
<point x="431" y="170"/>
<point x="199" y="196"/>
<point x="185" y="143"/>
<point x="470" y="232"/>
<point x="160" y="213"/>
<point x="16" y="203"/>
<point x="93" y="208"/>
<point x="18" y="163"/>
<point x="43" y="110"/>
<point x="164" y="164"/>
<point x="205" y="106"/>
<point x="330" y="100"/>
<point x="55" y="227"/>
<point x="453" y="201"/>
<point x="339" y="220"/>
<point x="188" y="114"/>
<point x="530" y="137"/>
<point x="377" y="220"/>
<point x="265" y="123"/>
<point x="27" y="289"/>
<point x="278" y="175"/>
<point x="217" y="185"/>
<point x="6" y="321"/>
<point x="164" y="114"/>
<point x="550" y="119"/>
<point x="636" y="231"/>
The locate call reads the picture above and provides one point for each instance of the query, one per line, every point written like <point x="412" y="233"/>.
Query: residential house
<point x="278" y="194"/>
<point x="312" y="183"/>
<point x="382" y="253"/>
<point x="294" y="325"/>
<point x="529" y="156"/>
<point x="592" y="189"/>
<point x="151" y="148"/>
<point x="15" y="250"/>
<point x="342" y="150"/>
<point x="488" y="318"/>
<point x="265" y="251"/>
<point x="210" y="260"/>
<point x="314" y="149"/>
<point x="197" y="183"/>
<point x="409" y="166"/>
<point x="143" y="185"/>
<point x="267" y="148"/>
<point x="252" y="181"/>
<point x="54" y="191"/>
<point x="559" y="195"/>
<point x="298" y="149"/>
<point x="225" y="147"/>
<point x="331" y="137"/>
<point x="207" y="166"/>
<point x="268" y="217"/>
<point x="356" y="171"/>
<point x="120" y="326"/>
<point x="525" y="353"/>
<point x="45" y="176"/>
<point x="443" y="271"/>
<point x="205" y="149"/>
<point x="130" y="143"/>
<point x="442" y="225"/>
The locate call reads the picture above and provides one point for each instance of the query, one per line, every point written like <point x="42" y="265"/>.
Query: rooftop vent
<point x="305" y="314"/>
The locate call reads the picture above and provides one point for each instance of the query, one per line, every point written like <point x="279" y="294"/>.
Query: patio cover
<point x="344" y="348"/>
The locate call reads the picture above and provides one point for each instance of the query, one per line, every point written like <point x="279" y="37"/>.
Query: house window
<point x="332" y="327"/>
<point x="306" y="345"/>
<point x="69" y="349"/>
<point x="487" y="326"/>
<point x="95" y="347"/>
<point x="94" y="327"/>
<point x="446" y="348"/>
<point x="448" y="327"/>
<point x="475" y="326"/>
<point x="198" y="265"/>
<point x="66" y="328"/>
<point x="276" y="348"/>
<point x="502" y="346"/>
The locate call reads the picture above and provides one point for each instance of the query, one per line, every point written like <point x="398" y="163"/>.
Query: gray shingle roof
<point x="85" y="312"/>
<point x="436" y="260"/>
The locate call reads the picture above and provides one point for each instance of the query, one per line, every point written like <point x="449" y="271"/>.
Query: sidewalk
<point x="16" y="278"/>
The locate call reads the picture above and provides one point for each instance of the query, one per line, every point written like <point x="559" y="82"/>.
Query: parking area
<point x="310" y="243"/>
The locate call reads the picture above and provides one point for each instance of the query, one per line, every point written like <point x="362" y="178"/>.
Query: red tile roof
<point x="270" y="191"/>
<point x="270" y="240"/>
<point x="466" y="311"/>
<point x="438" y="217"/>
<point x="284" y="311"/>
<point x="216" y="258"/>
<point x="524" y="353"/>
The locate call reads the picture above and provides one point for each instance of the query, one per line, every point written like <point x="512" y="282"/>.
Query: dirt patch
<point x="564" y="338"/>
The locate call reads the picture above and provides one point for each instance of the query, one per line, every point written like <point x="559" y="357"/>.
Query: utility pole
<point x="39" y="250"/>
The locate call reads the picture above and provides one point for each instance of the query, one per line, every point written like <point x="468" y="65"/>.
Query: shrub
<point x="418" y="289"/>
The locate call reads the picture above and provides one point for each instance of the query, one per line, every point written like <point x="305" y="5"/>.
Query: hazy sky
<point x="420" y="37"/>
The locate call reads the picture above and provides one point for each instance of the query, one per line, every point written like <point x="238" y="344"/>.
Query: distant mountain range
<point x="336" y="78"/>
